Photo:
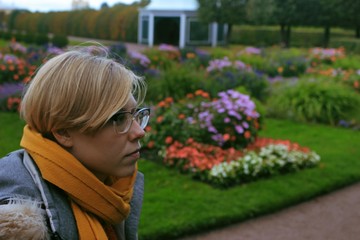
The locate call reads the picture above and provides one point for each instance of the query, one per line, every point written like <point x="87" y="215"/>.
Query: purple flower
<point x="10" y="58"/>
<point x="239" y="129"/>
<point x="227" y="120"/>
<point x="252" y="50"/>
<point x="8" y="89"/>
<point x="218" y="64"/>
<point x="167" y="47"/>
<point x="55" y="50"/>
<point x="143" y="59"/>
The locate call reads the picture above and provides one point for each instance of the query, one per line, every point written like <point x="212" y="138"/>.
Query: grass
<point x="175" y="205"/>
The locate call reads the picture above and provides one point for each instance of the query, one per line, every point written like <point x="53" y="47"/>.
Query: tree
<point x="285" y="15"/>
<point x="260" y="12"/>
<point x="328" y="16"/>
<point x="223" y="11"/>
<point x="104" y="5"/>
<point x="349" y="15"/>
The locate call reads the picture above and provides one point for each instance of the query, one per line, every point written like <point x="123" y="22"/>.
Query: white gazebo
<point x="176" y="23"/>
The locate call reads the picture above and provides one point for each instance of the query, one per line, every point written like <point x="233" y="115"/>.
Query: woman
<point x="76" y="175"/>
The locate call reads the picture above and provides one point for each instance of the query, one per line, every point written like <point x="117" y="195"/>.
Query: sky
<point x="55" y="5"/>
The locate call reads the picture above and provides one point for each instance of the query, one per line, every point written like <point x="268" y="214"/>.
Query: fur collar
<point x="23" y="219"/>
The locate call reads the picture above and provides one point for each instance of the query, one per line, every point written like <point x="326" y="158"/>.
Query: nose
<point x="136" y="130"/>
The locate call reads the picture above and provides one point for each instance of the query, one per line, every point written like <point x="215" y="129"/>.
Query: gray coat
<point x="21" y="183"/>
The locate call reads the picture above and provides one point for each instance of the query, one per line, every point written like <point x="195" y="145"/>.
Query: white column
<point x="182" y="38"/>
<point x="214" y="28"/>
<point x="151" y="30"/>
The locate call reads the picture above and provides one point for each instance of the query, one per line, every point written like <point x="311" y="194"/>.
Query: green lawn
<point x="175" y="205"/>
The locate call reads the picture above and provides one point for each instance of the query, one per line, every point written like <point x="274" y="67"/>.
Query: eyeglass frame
<point x="134" y="115"/>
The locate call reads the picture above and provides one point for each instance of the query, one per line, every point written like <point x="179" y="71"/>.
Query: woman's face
<point x="108" y="153"/>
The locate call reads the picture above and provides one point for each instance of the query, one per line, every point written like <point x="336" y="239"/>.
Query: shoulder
<point x="15" y="179"/>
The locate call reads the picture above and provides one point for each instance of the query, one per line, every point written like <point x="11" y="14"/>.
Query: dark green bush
<point x="7" y="35"/>
<point x="255" y="36"/>
<point x="175" y="82"/>
<point x="60" y="41"/>
<point x="41" y="39"/>
<point x="255" y="83"/>
<point x="311" y="100"/>
<point x="29" y="38"/>
<point x="19" y="36"/>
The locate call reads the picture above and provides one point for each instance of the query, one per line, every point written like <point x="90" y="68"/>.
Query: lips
<point x="136" y="152"/>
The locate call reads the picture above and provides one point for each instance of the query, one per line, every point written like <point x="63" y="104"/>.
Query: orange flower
<point x="226" y="137"/>
<point x="147" y="128"/>
<point x="247" y="134"/>
<point x="190" y="55"/>
<point x="205" y="95"/>
<point x="199" y="92"/>
<point x="162" y="104"/>
<point x="169" y="100"/>
<point x="190" y="95"/>
<point x="168" y="140"/>
<point x="356" y="84"/>
<point x="159" y="119"/>
<point x="151" y="144"/>
<point x="280" y="69"/>
<point x="181" y="116"/>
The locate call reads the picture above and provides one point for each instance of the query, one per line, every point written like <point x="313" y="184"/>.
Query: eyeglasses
<point x="123" y="120"/>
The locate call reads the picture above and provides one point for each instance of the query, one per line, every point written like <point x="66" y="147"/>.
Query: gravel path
<point x="335" y="216"/>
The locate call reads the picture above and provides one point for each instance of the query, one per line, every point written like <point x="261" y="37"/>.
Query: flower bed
<point x="228" y="167"/>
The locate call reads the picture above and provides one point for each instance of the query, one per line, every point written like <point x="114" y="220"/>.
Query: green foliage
<point x="348" y="62"/>
<point x="314" y="101"/>
<point x="256" y="83"/>
<point x="176" y="82"/>
<point x="41" y="39"/>
<point x="29" y="37"/>
<point x="162" y="60"/>
<point x="60" y="41"/>
<point x="350" y="44"/>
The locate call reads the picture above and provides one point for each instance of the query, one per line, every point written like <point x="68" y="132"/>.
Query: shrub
<point x="163" y="57"/>
<point x="41" y="39"/>
<point x="228" y="121"/>
<point x="224" y="74"/>
<point x="29" y="38"/>
<point x="314" y="101"/>
<point x="176" y="82"/>
<point x="60" y="41"/>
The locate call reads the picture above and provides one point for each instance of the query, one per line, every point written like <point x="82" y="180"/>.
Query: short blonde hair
<point x="81" y="89"/>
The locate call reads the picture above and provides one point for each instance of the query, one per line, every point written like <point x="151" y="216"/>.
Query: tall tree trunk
<point x="282" y="35"/>
<point x="326" y="36"/>
<point x="288" y="35"/>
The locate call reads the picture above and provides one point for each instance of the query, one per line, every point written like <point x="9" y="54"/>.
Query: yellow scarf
<point x="91" y="199"/>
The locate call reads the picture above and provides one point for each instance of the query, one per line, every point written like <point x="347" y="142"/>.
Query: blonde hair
<point x="81" y="89"/>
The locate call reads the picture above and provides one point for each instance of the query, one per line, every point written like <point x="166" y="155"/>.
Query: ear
<point x="63" y="137"/>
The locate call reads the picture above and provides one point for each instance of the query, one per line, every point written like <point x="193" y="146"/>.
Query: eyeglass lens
<point x="124" y="120"/>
